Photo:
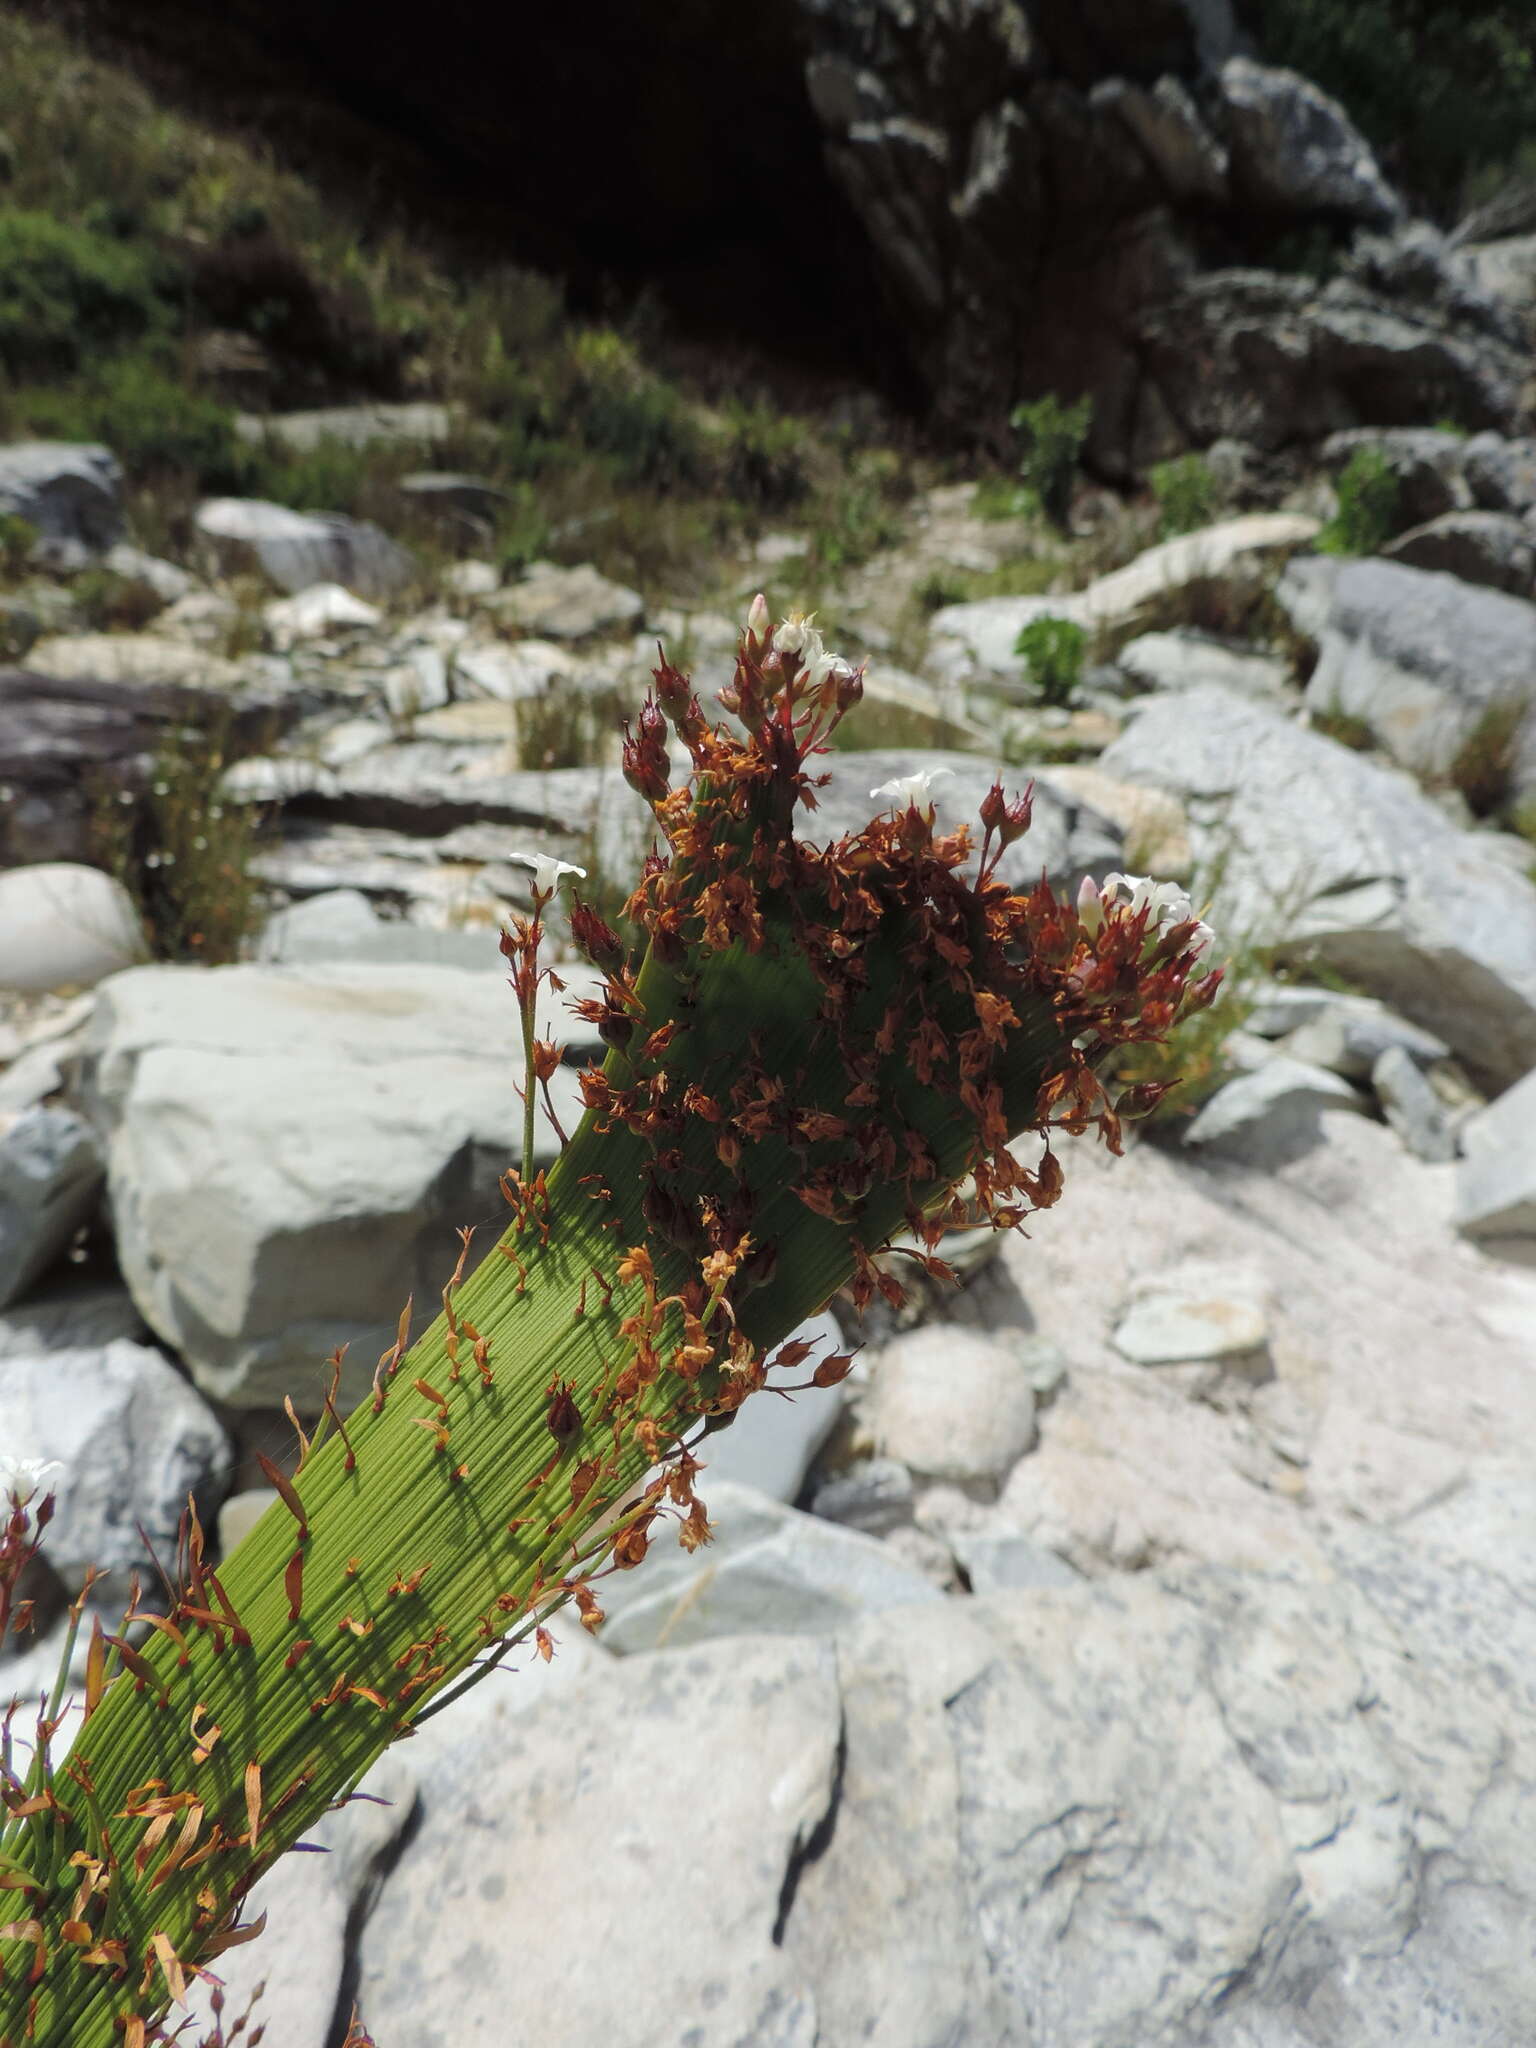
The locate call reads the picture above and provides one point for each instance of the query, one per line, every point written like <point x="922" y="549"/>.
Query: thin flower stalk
<point x="816" y="1040"/>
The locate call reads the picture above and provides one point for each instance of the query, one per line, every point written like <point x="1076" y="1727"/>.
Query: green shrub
<point x="1367" y="516"/>
<point x="152" y="422"/>
<point x="1052" y="437"/>
<point x="1053" y="650"/>
<point x="67" y="294"/>
<point x="617" y="408"/>
<point x="1185" y="491"/>
<point x="763" y="459"/>
<point x="18" y="537"/>
<point x="1442" y="88"/>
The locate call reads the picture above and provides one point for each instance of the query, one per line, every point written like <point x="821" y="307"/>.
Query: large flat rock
<point x="291" y="1150"/>
<point x="1322" y="851"/>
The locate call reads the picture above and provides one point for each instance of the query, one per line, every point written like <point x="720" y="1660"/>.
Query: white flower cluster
<point x="797" y="636"/>
<point x="20" y="1478"/>
<point x="1165" y="903"/>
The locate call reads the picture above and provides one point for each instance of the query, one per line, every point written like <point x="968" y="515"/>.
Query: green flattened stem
<point x="438" y="1518"/>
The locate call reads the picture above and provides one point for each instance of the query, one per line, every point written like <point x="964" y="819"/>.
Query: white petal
<point x="757" y="617"/>
<point x="547" y="871"/>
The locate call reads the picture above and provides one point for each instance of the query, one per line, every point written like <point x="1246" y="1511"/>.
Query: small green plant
<point x="941" y="587"/>
<point x="763" y="460"/>
<point x="617" y="408"/>
<point x="1484" y="767"/>
<point x="564" y="727"/>
<point x="66" y="294"/>
<point x="106" y="602"/>
<point x="1369" y="495"/>
<point x="1344" y="729"/>
<point x="1053" y="651"/>
<point x="18" y="537"/>
<point x="1051" y="435"/>
<point x="1185" y="491"/>
<point x="1522" y="819"/>
<point x="149" y="419"/>
<point x="183" y="853"/>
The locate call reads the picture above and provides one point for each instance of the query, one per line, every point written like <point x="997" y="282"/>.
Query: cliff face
<point x="975" y="201"/>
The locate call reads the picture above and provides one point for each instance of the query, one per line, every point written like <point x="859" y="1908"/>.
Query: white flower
<point x="1165" y="903"/>
<point x="547" y="871"/>
<point x="910" y="789"/>
<point x="796" y="635"/>
<point x="20" y="1478"/>
<point x="827" y="665"/>
<point x="757" y="617"/>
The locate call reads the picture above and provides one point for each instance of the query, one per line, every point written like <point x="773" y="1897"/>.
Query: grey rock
<point x="69" y="1314"/>
<point x="579" y="1771"/>
<point x="134" y="1440"/>
<point x="69" y="490"/>
<point x="1181" y="660"/>
<point x="1501" y="473"/>
<point x="569" y="604"/>
<point x="1506" y="270"/>
<point x="1492" y="549"/>
<point x="343" y="1122"/>
<point x="771" y="1443"/>
<point x="164" y="579"/>
<point x="320" y="612"/>
<point x="428" y="787"/>
<point x="1271" y="1115"/>
<point x="950" y="1404"/>
<point x="1277" y="359"/>
<point x="1294" y="150"/>
<point x="1199" y="1309"/>
<point x="297" y="549"/>
<point x="1496" y="1182"/>
<point x="1348" y="1034"/>
<point x="64" y="926"/>
<point x="768" y="1571"/>
<point x="874" y="1496"/>
<point x="472" y="502"/>
<point x="1003" y="1561"/>
<point x="1185" y="156"/>
<point x="341" y="924"/>
<point x="1421" y="657"/>
<point x="1429" y="467"/>
<point x="50" y="1178"/>
<point x="1230" y="563"/>
<point x="1411" y="1106"/>
<point x="1329" y="855"/>
<point x="352" y="426"/>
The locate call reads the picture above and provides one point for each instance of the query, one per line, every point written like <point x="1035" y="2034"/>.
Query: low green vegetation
<point x="182" y="853"/>
<point x="1186" y="495"/>
<point x="1484" y="767"/>
<point x="1445" y="91"/>
<point x="1053" y="651"/>
<point x="1051" y="436"/>
<point x="158" y="278"/>
<point x="1369" y="493"/>
<point x="1344" y="728"/>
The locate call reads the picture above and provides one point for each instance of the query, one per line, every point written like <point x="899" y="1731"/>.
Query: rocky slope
<point x="1138" y="1651"/>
